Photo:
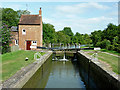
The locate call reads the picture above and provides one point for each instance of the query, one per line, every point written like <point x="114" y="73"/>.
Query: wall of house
<point x="15" y="37"/>
<point x="33" y="33"/>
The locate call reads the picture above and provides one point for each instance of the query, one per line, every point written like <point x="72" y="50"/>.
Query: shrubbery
<point x="6" y="38"/>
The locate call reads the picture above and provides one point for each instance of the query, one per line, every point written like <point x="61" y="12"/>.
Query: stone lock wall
<point x="94" y="72"/>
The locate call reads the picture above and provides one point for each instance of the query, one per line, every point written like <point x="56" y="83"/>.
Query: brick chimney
<point x="40" y="12"/>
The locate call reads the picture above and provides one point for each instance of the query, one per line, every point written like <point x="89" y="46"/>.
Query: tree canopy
<point x="11" y="17"/>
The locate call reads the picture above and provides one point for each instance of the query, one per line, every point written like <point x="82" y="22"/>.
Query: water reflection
<point x="64" y="75"/>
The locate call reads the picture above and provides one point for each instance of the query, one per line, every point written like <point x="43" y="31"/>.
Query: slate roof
<point x="14" y="28"/>
<point x="30" y="20"/>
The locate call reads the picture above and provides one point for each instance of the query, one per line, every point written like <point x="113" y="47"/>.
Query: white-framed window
<point x="23" y="31"/>
<point x="34" y="42"/>
<point x="16" y="42"/>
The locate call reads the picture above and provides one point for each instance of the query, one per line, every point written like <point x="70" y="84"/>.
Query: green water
<point x="57" y="74"/>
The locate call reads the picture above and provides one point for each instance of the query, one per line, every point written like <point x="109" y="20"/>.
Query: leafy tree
<point x="62" y="38"/>
<point x="22" y="12"/>
<point x="9" y="17"/>
<point x="115" y="40"/>
<point x="110" y="32"/>
<point x="68" y="31"/>
<point x="75" y="39"/>
<point x="109" y="38"/>
<point x="49" y="34"/>
<point x="79" y="37"/>
<point x="96" y="37"/>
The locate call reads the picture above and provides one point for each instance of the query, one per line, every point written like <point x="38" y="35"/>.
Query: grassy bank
<point x="105" y="50"/>
<point x="110" y="51"/>
<point x="111" y="60"/>
<point x="14" y="61"/>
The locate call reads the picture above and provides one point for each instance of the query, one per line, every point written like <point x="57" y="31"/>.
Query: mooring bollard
<point x="26" y="59"/>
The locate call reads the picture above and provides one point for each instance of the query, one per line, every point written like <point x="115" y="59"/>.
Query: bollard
<point x="26" y="59"/>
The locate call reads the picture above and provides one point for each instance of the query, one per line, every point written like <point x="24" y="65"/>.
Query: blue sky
<point x="82" y="17"/>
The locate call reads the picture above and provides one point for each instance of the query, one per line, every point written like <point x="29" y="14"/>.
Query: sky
<point x="82" y="17"/>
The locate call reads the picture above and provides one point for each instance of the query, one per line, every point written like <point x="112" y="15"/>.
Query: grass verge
<point x="110" y="51"/>
<point x="14" y="61"/>
<point x="111" y="60"/>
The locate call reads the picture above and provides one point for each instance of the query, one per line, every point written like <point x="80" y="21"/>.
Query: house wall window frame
<point x="34" y="42"/>
<point x="23" y="32"/>
<point x="16" y="42"/>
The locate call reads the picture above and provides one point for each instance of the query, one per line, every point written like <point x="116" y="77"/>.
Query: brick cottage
<point x="29" y="32"/>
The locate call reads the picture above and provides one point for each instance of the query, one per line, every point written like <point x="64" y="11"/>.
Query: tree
<point x="22" y="12"/>
<point x="62" y="38"/>
<point x="75" y="39"/>
<point x="108" y="38"/>
<point x="79" y="37"/>
<point x="96" y="37"/>
<point x="9" y="17"/>
<point x="49" y="34"/>
<point x="110" y="32"/>
<point x="68" y="31"/>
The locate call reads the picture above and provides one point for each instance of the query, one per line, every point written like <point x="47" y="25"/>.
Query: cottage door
<point x="28" y="45"/>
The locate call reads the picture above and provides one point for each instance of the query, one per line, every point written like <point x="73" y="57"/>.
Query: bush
<point x="111" y="47"/>
<point x="116" y="47"/>
<point x="6" y="38"/>
<point x="105" y="44"/>
<point x="119" y="48"/>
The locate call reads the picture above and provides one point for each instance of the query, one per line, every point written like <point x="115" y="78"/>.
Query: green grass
<point x="110" y="51"/>
<point x="105" y="50"/>
<point x="83" y="47"/>
<point x="14" y="61"/>
<point x="111" y="60"/>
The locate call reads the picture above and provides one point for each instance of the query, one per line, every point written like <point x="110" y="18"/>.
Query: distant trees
<point x="108" y="38"/>
<point x="64" y="36"/>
